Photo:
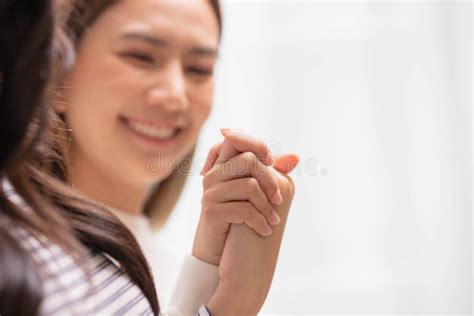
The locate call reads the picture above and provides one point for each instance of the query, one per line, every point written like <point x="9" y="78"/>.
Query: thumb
<point x="286" y="163"/>
<point x="227" y="151"/>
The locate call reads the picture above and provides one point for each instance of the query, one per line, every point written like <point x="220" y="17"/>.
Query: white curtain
<point x="376" y="99"/>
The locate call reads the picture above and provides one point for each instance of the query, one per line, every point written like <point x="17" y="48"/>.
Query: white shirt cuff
<point x="197" y="282"/>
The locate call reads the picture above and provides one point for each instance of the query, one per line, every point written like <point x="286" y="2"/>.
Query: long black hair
<point x="31" y="158"/>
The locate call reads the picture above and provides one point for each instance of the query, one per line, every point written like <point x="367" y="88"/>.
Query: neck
<point x="111" y="190"/>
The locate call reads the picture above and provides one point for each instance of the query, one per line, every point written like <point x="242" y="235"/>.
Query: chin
<point x="157" y="171"/>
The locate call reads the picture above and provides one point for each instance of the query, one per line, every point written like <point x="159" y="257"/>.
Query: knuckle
<point x="271" y="181"/>
<point x="206" y="180"/>
<point x="250" y="162"/>
<point x="247" y="212"/>
<point x="207" y="196"/>
<point x="260" y="168"/>
<point x="208" y="209"/>
<point x="249" y="157"/>
<point x="252" y="186"/>
<point x="262" y="148"/>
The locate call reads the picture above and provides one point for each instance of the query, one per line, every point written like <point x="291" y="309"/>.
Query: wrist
<point x="226" y="301"/>
<point x="207" y="247"/>
<point x="198" y="255"/>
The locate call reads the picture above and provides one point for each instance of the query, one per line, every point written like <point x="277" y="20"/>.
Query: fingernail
<point x="270" y="158"/>
<point x="224" y="131"/>
<point x="268" y="231"/>
<point x="277" y="198"/>
<point x="274" y="219"/>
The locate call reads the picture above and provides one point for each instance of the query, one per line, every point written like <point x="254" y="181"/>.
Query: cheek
<point x="118" y="79"/>
<point x="97" y="93"/>
<point x="89" y="101"/>
<point x="200" y="107"/>
<point x="200" y="113"/>
<point x="99" y="90"/>
<point x="104" y="82"/>
<point x="201" y="104"/>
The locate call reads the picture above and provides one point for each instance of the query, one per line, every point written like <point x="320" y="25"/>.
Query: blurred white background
<point x="376" y="99"/>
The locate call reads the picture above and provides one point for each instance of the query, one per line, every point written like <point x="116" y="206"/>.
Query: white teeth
<point x="152" y="131"/>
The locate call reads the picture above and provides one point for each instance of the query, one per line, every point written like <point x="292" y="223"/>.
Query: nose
<point x="169" y="90"/>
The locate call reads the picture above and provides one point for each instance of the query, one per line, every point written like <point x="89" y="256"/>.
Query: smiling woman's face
<point x="141" y="87"/>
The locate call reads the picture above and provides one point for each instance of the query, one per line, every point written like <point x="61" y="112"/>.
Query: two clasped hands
<point x="246" y="200"/>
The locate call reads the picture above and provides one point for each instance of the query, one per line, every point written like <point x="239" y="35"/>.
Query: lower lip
<point x="155" y="142"/>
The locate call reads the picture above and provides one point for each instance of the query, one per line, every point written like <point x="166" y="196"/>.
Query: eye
<point x="200" y="71"/>
<point x="140" y="57"/>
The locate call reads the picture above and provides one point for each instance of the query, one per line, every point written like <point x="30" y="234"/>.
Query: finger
<point x="243" y="189"/>
<point x="236" y="142"/>
<point x="243" y="212"/>
<point x="211" y="158"/>
<point x="286" y="163"/>
<point x="242" y="166"/>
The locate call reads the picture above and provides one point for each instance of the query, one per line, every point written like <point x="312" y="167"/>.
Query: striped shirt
<point x="106" y="289"/>
<point x="68" y="290"/>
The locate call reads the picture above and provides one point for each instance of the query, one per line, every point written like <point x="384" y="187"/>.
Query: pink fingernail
<point x="268" y="231"/>
<point x="277" y="198"/>
<point x="224" y="131"/>
<point x="274" y="219"/>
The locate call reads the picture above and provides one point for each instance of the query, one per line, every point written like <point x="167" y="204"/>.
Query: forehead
<point x="186" y="20"/>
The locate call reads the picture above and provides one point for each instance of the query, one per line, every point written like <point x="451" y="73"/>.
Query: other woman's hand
<point x="248" y="263"/>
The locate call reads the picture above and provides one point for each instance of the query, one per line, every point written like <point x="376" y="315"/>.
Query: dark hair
<point x="84" y="13"/>
<point x="32" y="161"/>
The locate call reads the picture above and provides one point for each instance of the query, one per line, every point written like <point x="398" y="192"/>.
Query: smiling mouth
<point x="151" y="130"/>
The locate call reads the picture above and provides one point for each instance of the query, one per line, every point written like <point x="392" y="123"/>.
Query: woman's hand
<point x="238" y="188"/>
<point x="248" y="262"/>
<point x="239" y="142"/>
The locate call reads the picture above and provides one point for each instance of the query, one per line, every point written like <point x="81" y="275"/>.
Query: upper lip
<point x="154" y="123"/>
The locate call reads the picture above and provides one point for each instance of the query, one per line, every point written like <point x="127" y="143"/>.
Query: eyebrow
<point x="158" y="42"/>
<point x="155" y="41"/>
